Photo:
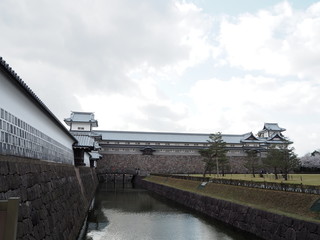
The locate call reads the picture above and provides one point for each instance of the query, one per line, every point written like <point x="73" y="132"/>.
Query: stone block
<point x="27" y="225"/>
<point x="302" y="234"/>
<point x="23" y="212"/>
<point x="13" y="169"/>
<point x="312" y="227"/>
<point x="291" y="234"/>
<point x="4" y="186"/>
<point x="12" y="193"/>
<point x="314" y="236"/>
<point x="4" y="168"/>
<point x="24" y="195"/>
<point x="13" y="181"/>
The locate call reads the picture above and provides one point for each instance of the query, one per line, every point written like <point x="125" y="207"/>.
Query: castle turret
<point x="81" y="121"/>
<point x="270" y="129"/>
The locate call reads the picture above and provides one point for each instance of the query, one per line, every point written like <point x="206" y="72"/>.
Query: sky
<point x="176" y="66"/>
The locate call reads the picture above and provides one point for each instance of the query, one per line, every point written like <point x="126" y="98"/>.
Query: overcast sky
<point x="182" y="66"/>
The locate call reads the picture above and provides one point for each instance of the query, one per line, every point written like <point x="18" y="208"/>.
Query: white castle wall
<point x="26" y="129"/>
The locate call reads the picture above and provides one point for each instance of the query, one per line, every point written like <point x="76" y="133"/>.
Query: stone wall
<point x="160" y="163"/>
<point x="150" y="163"/>
<point x="263" y="224"/>
<point x="54" y="198"/>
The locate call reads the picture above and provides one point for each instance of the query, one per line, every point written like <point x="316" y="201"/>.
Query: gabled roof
<point x="24" y="88"/>
<point x="82" y="117"/>
<point x="249" y="137"/>
<point x="273" y="127"/>
<point x="277" y="138"/>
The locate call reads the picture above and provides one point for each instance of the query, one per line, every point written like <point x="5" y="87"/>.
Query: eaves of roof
<point x="17" y="81"/>
<point x="84" y="141"/>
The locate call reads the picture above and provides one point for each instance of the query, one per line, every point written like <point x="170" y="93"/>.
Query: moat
<point x="125" y="213"/>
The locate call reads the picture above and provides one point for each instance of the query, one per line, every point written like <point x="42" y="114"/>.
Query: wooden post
<point x="9" y="218"/>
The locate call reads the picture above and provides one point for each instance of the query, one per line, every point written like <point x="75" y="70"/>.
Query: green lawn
<point x="296" y="205"/>
<point x="305" y="179"/>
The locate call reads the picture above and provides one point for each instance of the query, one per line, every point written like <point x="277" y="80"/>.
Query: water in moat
<point x="126" y="213"/>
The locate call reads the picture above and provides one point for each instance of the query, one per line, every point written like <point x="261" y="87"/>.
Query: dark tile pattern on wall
<point x="19" y="138"/>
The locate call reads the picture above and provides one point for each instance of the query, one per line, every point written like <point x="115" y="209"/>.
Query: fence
<point x="252" y="184"/>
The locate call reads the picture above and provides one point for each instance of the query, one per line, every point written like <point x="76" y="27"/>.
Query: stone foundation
<point x="54" y="198"/>
<point x="118" y="163"/>
<point x="151" y="164"/>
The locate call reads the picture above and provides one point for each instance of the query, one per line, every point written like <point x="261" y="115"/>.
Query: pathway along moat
<point x="129" y="214"/>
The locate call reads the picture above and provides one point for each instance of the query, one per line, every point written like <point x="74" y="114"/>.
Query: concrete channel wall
<point x="54" y="198"/>
<point x="263" y="224"/>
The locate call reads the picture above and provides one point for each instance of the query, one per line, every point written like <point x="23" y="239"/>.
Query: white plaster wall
<point x="18" y="104"/>
<point x="75" y="126"/>
<point x="86" y="159"/>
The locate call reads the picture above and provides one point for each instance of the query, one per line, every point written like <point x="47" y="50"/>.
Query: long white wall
<point x="23" y="107"/>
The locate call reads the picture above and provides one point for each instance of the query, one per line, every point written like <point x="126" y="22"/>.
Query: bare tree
<point x="311" y="160"/>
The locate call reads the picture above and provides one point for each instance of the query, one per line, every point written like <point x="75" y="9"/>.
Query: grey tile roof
<point x="83" y="117"/>
<point x="249" y="137"/>
<point x="85" y="141"/>
<point x="16" y="80"/>
<point x="273" y="127"/>
<point x="164" y="137"/>
<point x="95" y="155"/>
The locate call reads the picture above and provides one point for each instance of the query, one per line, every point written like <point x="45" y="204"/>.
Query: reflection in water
<point x="127" y="213"/>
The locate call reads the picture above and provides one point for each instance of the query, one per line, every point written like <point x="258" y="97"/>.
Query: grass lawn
<point x="296" y="205"/>
<point x="305" y="179"/>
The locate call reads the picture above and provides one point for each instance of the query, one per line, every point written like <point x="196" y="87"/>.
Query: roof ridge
<point x="19" y="79"/>
<point x="163" y="133"/>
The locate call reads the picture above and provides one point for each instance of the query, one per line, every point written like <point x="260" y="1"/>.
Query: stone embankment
<point x="146" y="163"/>
<point x="120" y="163"/>
<point x="265" y="225"/>
<point x="54" y="198"/>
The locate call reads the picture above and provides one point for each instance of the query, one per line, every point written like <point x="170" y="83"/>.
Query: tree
<point x="252" y="161"/>
<point x="288" y="161"/>
<point x="311" y="160"/>
<point x="208" y="159"/>
<point x="272" y="160"/>
<point x="281" y="157"/>
<point x="215" y="154"/>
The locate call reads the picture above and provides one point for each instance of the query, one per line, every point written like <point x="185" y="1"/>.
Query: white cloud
<point x="244" y="104"/>
<point x="128" y="61"/>
<point x="279" y="41"/>
<point x="87" y="47"/>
